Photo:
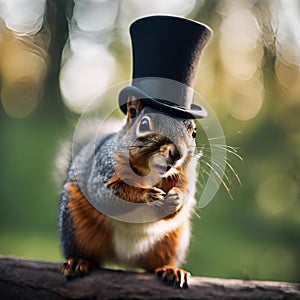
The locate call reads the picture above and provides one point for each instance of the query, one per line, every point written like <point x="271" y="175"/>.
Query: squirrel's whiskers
<point x="208" y="165"/>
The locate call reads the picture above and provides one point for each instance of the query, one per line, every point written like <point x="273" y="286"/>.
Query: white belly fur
<point x="133" y="240"/>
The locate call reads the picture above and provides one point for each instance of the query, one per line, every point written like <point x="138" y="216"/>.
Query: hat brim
<point x="196" y="111"/>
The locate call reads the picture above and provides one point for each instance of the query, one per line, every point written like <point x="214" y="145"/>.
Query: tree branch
<point x="25" y="279"/>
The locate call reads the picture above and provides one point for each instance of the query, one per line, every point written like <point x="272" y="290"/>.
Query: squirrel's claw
<point x="76" y="266"/>
<point x="173" y="276"/>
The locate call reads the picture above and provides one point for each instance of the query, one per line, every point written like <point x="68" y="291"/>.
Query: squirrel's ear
<point x="134" y="107"/>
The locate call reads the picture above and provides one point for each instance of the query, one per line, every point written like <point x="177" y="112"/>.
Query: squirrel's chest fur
<point x="134" y="240"/>
<point x="138" y="245"/>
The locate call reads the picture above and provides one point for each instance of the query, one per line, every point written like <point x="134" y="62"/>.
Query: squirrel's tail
<point x="71" y="146"/>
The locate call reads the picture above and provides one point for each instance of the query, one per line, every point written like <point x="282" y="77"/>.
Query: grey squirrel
<point x="150" y="161"/>
<point x="89" y="238"/>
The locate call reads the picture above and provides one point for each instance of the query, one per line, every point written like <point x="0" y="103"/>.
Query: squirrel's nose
<point x="174" y="154"/>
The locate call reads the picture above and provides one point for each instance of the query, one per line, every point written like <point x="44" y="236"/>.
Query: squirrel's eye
<point x="194" y="134"/>
<point x="144" y="125"/>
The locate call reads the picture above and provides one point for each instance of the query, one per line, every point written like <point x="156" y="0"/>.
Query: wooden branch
<point x="25" y="279"/>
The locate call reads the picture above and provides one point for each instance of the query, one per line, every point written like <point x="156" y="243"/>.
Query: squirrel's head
<point x="159" y="144"/>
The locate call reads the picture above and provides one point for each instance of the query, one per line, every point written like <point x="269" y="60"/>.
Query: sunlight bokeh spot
<point x="287" y="32"/>
<point x="86" y="75"/>
<point x="288" y="77"/>
<point x="23" y="73"/>
<point x="95" y="15"/>
<point x="247" y="103"/>
<point x="240" y="35"/>
<point x="176" y="7"/>
<point x="23" y="16"/>
<point x="276" y="194"/>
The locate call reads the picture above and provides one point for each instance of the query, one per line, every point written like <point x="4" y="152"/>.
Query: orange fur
<point x="93" y="234"/>
<point x="135" y="193"/>
<point x="93" y="230"/>
<point x="164" y="252"/>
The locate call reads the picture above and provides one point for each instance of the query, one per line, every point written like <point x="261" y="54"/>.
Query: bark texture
<point x="26" y="279"/>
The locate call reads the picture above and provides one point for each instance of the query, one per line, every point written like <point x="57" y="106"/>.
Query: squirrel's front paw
<point x="170" y="203"/>
<point x="153" y="194"/>
<point x="76" y="266"/>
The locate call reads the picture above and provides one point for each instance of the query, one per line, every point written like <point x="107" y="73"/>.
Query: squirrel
<point x="128" y="196"/>
<point x="90" y="238"/>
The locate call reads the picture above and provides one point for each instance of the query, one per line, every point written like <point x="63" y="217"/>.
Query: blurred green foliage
<point x="255" y="235"/>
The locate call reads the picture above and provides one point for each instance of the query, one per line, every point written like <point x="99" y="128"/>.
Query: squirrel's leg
<point x="85" y="233"/>
<point x="170" y="273"/>
<point x="74" y="264"/>
<point x="165" y="256"/>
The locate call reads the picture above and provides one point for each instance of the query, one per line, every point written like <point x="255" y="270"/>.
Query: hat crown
<point x="166" y="52"/>
<point x="167" y="47"/>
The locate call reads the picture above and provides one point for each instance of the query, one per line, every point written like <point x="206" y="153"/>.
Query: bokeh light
<point x="238" y="43"/>
<point x="91" y="15"/>
<point x="288" y="77"/>
<point x="87" y="73"/>
<point x="286" y="24"/>
<point x="23" y="72"/>
<point x="23" y="17"/>
<point x="277" y="193"/>
<point x="241" y="57"/>
<point x="24" y="63"/>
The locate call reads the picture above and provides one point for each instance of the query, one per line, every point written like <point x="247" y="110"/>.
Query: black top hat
<point x="166" y="51"/>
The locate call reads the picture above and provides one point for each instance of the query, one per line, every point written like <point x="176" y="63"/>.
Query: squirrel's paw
<point x="170" y="203"/>
<point x="173" y="276"/>
<point x="174" y="199"/>
<point x="76" y="266"/>
<point x="153" y="194"/>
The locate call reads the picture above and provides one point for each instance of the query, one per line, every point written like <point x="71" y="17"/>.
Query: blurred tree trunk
<point x="24" y="279"/>
<point x="57" y="20"/>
